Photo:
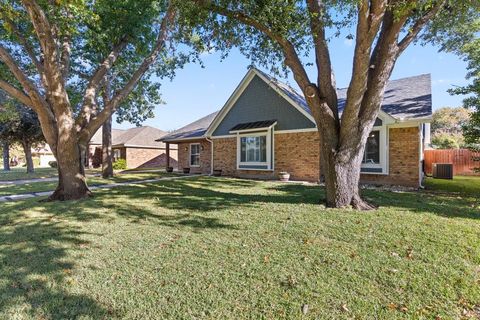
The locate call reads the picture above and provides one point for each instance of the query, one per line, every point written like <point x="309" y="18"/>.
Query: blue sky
<point x="196" y="92"/>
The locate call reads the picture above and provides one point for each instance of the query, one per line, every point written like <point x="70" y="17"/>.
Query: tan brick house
<point x="137" y="146"/>
<point x="266" y="127"/>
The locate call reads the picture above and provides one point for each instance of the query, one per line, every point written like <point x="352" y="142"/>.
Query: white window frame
<point x="383" y="148"/>
<point x="268" y="163"/>
<point x="190" y="155"/>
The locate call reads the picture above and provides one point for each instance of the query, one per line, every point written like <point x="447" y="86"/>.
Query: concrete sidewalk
<point x="19" y="182"/>
<point x="23" y="196"/>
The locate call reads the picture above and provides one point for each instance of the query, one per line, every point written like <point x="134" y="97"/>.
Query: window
<point x="372" y="148"/>
<point x="253" y="149"/>
<point x="195" y="155"/>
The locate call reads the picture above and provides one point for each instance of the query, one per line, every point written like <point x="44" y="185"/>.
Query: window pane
<point x="253" y="149"/>
<point x="194" y="154"/>
<point x="372" y="148"/>
<point x="243" y="149"/>
<point x="263" y="149"/>
<point x="194" y="160"/>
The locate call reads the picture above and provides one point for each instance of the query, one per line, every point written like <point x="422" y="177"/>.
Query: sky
<point x="196" y="91"/>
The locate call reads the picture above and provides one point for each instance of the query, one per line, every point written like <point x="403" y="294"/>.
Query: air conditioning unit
<point x="443" y="171"/>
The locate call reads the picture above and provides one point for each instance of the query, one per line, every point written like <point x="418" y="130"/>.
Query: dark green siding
<point x="260" y="102"/>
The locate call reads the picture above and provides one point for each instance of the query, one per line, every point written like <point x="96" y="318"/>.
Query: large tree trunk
<point x="107" y="165"/>
<point x="27" y="149"/>
<point x="341" y="171"/>
<point x="72" y="184"/>
<point x="6" y="156"/>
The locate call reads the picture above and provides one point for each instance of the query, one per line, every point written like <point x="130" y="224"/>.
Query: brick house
<point x="266" y="127"/>
<point x="137" y="146"/>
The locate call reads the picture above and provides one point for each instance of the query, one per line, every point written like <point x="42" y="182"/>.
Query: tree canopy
<point x="77" y="62"/>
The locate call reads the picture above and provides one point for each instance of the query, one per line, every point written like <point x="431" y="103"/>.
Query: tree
<point x="6" y="155"/>
<point x="21" y="126"/>
<point x="47" y="49"/>
<point x="284" y="32"/>
<point x="461" y="37"/>
<point x="447" y="127"/>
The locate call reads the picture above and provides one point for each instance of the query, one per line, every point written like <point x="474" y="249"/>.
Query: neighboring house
<point x="44" y="155"/>
<point x="266" y="127"/>
<point x="137" y="146"/>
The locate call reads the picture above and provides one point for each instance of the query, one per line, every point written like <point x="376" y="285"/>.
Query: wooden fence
<point x="463" y="160"/>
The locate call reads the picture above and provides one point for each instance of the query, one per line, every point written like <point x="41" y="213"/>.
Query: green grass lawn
<point x="458" y="185"/>
<point x="91" y="180"/>
<point x="213" y="248"/>
<point x="21" y="174"/>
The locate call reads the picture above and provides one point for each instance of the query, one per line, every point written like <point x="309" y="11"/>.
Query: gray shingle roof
<point x="135" y="137"/>
<point x="191" y="131"/>
<point x="404" y="99"/>
<point x="97" y="137"/>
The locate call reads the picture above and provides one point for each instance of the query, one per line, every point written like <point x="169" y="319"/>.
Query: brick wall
<point x="205" y="154"/>
<point x="404" y="155"/>
<point x="142" y="157"/>
<point x="296" y="153"/>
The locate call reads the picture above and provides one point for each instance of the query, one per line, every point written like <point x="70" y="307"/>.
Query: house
<point x="266" y="127"/>
<point x="136" y="145"/>
<point x="44" y="154"/>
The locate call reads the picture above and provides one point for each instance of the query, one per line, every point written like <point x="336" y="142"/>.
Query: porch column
<point x="168" y="154"/>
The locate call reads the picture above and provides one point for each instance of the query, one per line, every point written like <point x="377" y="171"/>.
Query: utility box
<point x="442" y="170"/>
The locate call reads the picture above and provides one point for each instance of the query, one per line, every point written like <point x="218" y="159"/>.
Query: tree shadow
<point x="35" y="268"/>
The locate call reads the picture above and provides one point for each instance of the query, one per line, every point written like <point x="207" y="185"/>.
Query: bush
<point x="120" y="164"/>
<point x="53" y="164"/>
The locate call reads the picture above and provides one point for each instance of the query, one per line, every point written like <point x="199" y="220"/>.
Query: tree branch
<point x="370" y="17"/>
<point x="23" y="41"/>
<point x="90" y="96"/>
<point x="120" y="95"/>
<point x="36" y="99"/>
<point x="16" y="93"/>
<point x="56" y="93"/>
<point x="418" y="25"/>
<point x="322" y="55"/>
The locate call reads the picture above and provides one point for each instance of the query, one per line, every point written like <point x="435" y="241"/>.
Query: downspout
<point x="422" y="159"/>
<point x="211" y="154"/>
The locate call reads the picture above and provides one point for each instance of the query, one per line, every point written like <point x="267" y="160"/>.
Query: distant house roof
<point x="135" y="137"/>
<point x="97" y="137"/>
<point x="191" y="131"/>
<point x="404" y="99"/>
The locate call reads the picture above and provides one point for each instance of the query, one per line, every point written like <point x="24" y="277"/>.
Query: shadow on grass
<point x="34" y="269"/>
<point x="33" y="252"/>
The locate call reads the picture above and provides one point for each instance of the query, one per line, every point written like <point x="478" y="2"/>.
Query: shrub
<point x="53" y="164"/>
<point x="120" y="164"/>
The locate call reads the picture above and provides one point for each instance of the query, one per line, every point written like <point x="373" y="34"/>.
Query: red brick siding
<point x="296" y="153"/>
<point x="142" y="157"/>
<point x="299" y="154"/>
<point x="205" y="155"/>
<point x="404" y="155"/>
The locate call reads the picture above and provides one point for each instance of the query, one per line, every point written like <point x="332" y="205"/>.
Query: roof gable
<point x="260" y="100"/>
